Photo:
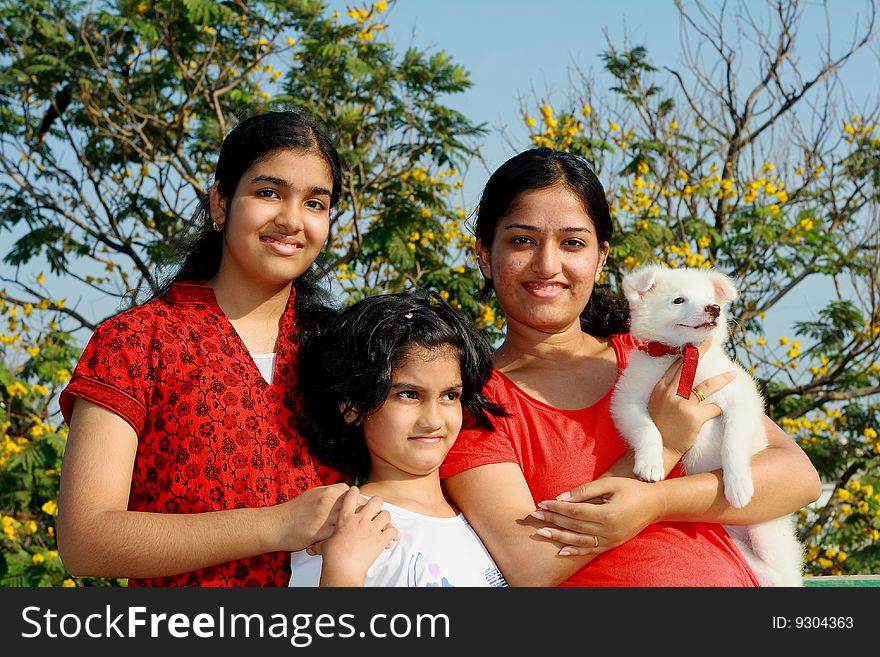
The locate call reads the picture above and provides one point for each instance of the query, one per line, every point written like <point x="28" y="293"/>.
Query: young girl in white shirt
<point x="385" y="387"/>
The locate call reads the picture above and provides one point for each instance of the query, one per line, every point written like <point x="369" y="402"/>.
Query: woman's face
<point x="544" y="259"/>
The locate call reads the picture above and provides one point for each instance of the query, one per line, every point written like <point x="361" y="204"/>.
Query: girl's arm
<point x="99" y="536"/>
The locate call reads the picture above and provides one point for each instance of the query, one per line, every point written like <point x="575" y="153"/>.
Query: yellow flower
<point x="381" y="6"/>
<point x="50" y="508"/>
<point x="68" y="583"/>
<point x="41" y="279"/>
<point x="761" y="341"/>
<point x="486" y="316"/>
<point x="613" y="126"/>
<point x="530" y="121"/>
<point x="586" y="110"/>
<point x="426" y="213"/>
<point x="38" y="558"/>
<point x="783" y="340"/>
<point x="291" y="41"/>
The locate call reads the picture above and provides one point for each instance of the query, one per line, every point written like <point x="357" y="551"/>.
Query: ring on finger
<point x="595" y="541"/>
<point x="698" y="394"/>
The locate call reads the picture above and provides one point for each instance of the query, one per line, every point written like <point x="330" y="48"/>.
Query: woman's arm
<point x="98" y="536"/>
<point x="785" y="481"/>
<point x="497" y="503"/>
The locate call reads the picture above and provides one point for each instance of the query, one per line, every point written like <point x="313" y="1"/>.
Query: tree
<point x="745" y="160"/>
<point x="111" y="115"/>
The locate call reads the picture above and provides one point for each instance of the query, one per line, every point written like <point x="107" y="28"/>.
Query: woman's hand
<point x="680" y="420"/>
<point x="309" y="517"/>
<point x="361" y="535"/>
<point x="600" y="515"/>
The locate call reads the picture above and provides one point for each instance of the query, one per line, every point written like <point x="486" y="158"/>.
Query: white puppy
<point x="672" y="310"/>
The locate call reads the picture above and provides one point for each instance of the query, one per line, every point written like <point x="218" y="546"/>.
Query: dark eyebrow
<point x="403" y="385"/>
<point x="280" y="182"/>
<point x="533" y="229"/>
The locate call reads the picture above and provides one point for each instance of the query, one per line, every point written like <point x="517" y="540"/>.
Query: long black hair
<point x="540" y="168"/>
<point x="348" y="369"/>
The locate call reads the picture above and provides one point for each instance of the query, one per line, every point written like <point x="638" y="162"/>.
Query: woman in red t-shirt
<point x="543" y="229"/>
<point x="183" y="464"/>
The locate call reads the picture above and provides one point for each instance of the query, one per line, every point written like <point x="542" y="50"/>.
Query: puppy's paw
<point x="648" y="469"/>
<point x="738" y="491"/>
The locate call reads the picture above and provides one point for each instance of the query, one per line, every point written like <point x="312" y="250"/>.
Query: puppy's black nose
<point x="713" y="309"/>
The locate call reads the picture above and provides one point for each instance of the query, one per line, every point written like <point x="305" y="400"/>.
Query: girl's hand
<point x="361" y="535"/>
<point x="600" y="515"/>
<point x="680" y="420"/>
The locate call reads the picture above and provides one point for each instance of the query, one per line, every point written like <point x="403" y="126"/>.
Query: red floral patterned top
<point x="212" y="434"/>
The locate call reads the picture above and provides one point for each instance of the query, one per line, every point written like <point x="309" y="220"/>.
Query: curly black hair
<point x="346" y="369"/>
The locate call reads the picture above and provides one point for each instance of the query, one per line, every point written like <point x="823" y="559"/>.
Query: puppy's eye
<point x="678" y="300"/>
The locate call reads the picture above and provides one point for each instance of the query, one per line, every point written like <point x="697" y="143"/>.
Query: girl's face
<point x="410" y="434"/>
<point x="544" y="259"/>
<point x="277" y="220"/>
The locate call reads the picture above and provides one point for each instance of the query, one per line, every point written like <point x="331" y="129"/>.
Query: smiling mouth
<point x="711" y="324"/>
<point x="545" y="288"/>
<point x="282" y="247"/>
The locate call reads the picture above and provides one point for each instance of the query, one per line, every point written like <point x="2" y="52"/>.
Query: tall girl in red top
<point x="183" y="464"/>
<point x="550" y="491"/>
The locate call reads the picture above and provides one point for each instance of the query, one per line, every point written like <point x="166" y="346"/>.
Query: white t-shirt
<point x="430" y="552"/>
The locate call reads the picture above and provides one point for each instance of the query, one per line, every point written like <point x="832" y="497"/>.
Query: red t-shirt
<point x="560" y="449"/>
<point x="212" y="434"/>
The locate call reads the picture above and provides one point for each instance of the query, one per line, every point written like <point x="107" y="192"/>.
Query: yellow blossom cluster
<point x="821" y="426"/>
<point x="366" y="17"/>
<point x="639" y="198"/>
<point x="858" y="130"/>
<point x="553" y="133"/>
<point x="681" y="255"/>
<point x="486" y="316"/>
<point x="11" y="446"/>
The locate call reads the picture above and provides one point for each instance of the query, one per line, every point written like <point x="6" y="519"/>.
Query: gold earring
<point x="217" y="227"/>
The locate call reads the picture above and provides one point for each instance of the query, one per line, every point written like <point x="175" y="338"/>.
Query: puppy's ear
<point x="725" y="290"/>
<point x="638" y="283"/>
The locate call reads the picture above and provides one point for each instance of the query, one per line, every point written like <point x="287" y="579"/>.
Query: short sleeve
<point x="114" y="371"/>
<point x="476" y="447"/>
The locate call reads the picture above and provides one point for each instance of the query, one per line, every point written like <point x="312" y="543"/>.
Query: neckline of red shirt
<point x="195" y="292"/>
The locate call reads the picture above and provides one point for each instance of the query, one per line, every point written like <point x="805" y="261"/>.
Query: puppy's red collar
<point x="688" y="367"/>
